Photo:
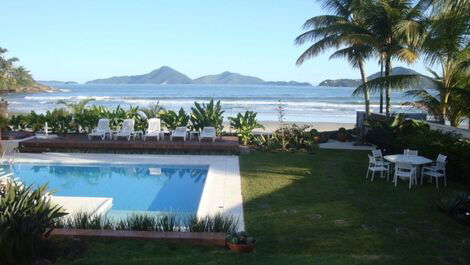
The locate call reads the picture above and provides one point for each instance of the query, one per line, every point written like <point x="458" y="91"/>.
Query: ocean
<point x="301" y="104"/>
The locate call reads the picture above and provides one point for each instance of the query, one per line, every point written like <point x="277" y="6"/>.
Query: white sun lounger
<point x="127" y="130"/>
<point x="208" y="132"/>
<point x="101" y="130"/>
<point x="153" y="129"/>
<point x="179" y="132"/>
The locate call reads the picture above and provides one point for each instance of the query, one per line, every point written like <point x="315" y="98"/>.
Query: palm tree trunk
<point x="366" y="91"/>
<point x="388" y="67"/>
<point x="381" y="89"/>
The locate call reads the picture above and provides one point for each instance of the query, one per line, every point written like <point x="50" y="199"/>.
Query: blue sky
<point x="84" y="40"/>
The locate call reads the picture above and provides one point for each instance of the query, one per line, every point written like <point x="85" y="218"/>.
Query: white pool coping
<point x="221" y="193"/>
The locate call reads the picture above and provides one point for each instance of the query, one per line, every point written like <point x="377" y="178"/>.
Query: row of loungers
<point x="154" y="130"/>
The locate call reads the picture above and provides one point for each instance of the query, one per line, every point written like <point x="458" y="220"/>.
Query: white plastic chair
<point x="405" y="171"/>
<point x="127" y="130"/>
<point x="208" y="132"/>
<point x="436" y="170"/>
<point x="375" y="166"/>
<point x="377" y="154"/>
<point x="101" y="130"/>
<point x="154" y="129"/>
<point x="179" y="132"/>
<point x="409" y="152"/>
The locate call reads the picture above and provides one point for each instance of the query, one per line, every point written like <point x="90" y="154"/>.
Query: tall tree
<point x="340" y="30"/>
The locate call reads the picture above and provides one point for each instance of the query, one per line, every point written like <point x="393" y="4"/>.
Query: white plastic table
<point x="415" y="160"/>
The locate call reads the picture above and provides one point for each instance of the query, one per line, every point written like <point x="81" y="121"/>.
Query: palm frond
<point x="396" y="82"/>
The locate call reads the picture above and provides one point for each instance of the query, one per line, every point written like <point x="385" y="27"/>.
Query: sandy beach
<point x="270" y="126"/>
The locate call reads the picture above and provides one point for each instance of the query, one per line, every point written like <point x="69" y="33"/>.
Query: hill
<point x="167" y="75"/>
<point x="356" y="82"/>
<point x="163" y="75"/>
<point x="228" y="78"/>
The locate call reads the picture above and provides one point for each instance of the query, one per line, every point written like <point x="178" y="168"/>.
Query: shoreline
<point x="271" y="126"/>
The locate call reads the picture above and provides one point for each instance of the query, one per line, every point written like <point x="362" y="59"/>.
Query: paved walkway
<point x="333" y="144"/>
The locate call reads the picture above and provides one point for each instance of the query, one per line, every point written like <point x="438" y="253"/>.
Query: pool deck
<point x="222" y="190"/>
<point x="80" y="142"/>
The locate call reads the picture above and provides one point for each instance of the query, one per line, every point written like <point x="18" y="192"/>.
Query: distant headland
<point x="168" y="75"/>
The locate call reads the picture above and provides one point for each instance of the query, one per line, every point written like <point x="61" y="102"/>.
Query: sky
<point x="89" y="39"/>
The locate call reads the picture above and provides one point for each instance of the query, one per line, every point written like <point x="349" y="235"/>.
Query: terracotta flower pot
<point x="241" y="248"/>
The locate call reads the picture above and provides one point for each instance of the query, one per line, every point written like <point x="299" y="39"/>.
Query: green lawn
<point x="291" y="203"/>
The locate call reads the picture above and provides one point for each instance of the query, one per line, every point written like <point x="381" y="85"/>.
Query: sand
<point x="270" y="126"/>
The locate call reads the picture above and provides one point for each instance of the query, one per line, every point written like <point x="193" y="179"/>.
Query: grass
<point x="284" y="196"/>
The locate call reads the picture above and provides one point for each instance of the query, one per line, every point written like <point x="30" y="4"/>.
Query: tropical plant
<point x="207" y="115"/>
<point x="172" y="119"/>
<point x="342" y="31"/>
<point x="59" y="121"/>
<point x="240" y="238"/>
<point x="153" y="110"/>
<point x="35" y="121"/>
<point x="18" y="122"/>
<point x="25" y="221"/>
<point x="457" y="205"/>
<point x="244" y="124"/>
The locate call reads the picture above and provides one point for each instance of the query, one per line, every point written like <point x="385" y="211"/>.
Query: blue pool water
<point x="134" y="188"/>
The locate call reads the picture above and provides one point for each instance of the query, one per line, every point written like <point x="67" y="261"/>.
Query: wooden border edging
<point x="198" y="238"/>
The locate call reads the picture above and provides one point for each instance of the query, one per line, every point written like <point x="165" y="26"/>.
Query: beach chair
<point x="208" y="132"/>
<point x="101" y="130"/>
<point x="179" y="132"/>
<point x="153" y="129"/>
<point x="127" y="130"/>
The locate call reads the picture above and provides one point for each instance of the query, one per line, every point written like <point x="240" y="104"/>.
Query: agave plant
<point x="25" y="219"/>
<point x="172" y="119"/>
<point x="207" y="115"/>
<point x="457" y="206"/>
<point x="244" y="125"/>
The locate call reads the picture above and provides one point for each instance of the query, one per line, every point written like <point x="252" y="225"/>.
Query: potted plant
<point x="342" y="135"/>
<point x="241" y="242"/>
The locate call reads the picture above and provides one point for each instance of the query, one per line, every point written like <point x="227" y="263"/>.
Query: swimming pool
<point x="134" y="188"/>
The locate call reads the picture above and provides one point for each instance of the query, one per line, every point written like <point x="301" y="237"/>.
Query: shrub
<point x="296" y="138"/>
<point x="26" y="215"/>
<point x="457" y="206"/>
<point x="207" y="115"/>
<point x="244" y="125"/>
<point x="240" y="238"/>
<point x="172" y="119"/>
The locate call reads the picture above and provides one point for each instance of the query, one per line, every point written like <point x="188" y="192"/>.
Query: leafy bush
<point x="395" y="135"/>
<point x="244" y="124"/>
<point x="207" y="115"/>
<point x="296" y="138"/>
<point x="26" y="215"/>
<point x="171" y="119"/>
<point x="59" y="121"/>
<point x="457" y="206"/>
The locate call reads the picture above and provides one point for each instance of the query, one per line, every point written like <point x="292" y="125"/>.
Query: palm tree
<point x="443" y="37"/>
<point x="382" y="19"/>
<point x="338" y="31"/>
<point x="76" y="107"/>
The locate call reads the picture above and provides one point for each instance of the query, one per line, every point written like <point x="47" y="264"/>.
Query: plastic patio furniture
<point x="208" y="132"/>
<point x="436" y="170"/>
<point x="154" y="129"/>
<point x="375" y="166"/>
<point x="180" y="132"/>
<point x="127" y="130"/>
<point x="101" y="130"/>
<point x="405" y="170"/>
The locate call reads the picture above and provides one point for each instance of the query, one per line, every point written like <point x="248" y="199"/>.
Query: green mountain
<point x="163" y="75"/>
<point x="228" y="78"/>
<point x="167" y="75"/>
<point x="356" y="82"/>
